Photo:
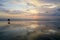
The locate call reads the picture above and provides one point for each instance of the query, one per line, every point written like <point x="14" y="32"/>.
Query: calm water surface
<point x="18" y="28"/>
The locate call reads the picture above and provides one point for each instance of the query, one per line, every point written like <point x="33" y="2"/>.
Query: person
<point x="8" y="21"/>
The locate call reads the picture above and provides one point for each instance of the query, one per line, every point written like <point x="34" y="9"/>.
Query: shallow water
<point x="19" y="28"/>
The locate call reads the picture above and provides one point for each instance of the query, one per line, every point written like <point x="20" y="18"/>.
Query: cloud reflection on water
<point x="18" y="28"/>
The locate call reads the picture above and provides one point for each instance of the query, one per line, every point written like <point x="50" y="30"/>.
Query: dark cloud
<point x="1" y="5"/>
<point x="3" y="0"/>
<point x="4" y="10"/>
<point x="51" y="1"/>
<point x="58" y="9"/>
<point x="11" y="12"/>
<point x="16" y="12"/>
<point x="57" y="12"/>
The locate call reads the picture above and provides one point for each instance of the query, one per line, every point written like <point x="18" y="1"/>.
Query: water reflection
<point x="18" y="28"/>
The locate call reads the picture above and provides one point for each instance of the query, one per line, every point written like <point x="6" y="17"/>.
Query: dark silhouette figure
<point x="8" y="21"/>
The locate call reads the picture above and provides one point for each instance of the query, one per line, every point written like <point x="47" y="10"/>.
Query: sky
<point x="29" y="8"/>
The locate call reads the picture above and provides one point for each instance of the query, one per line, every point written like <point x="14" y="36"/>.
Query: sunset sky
<point x="29" y="8"/>
<point x="28" y="19"/>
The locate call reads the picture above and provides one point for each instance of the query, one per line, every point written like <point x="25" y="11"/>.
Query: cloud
<point x="51" y="1"/>
<point x="1" y="5"/>
<point x="57" y="12"/>
<point x="49" y="6"/>
<point x="28" y="7"/>
<point x="3" y="10"/>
